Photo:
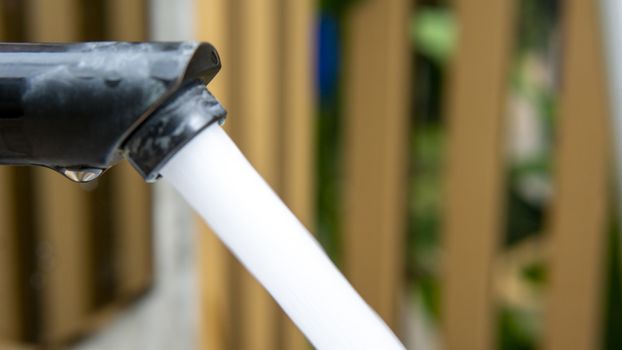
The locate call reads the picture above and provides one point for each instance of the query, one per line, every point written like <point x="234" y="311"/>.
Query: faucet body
<point x="75" y="107"/>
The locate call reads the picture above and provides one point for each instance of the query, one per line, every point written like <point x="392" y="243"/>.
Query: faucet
<point x="80" y="108"/>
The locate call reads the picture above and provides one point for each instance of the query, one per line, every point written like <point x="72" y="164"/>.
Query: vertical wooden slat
<point x="475" y="171"/>
<point x="22" y="302"/>
<point x="9" y="298"/>
<point x="52" y="20"/>
<point x="247" y="35"/>
<point x="297" y="126"/>
<point x="29" y="295"/>
<point x="236" y="127"/>
<point x="14" y="20"/>
<point x="257" y="136"/>
<point x="28" y="284"/>
<point x="579" y="223"/>
<point x="62" y="220"/>
<point x="125" y="20"/>
<point x="92" y="19"/>
<point x="3" y="23"/>
<point x="103" y="264"/>
<point x="298" y="112"/>
<point x="132" y="229"/>
<point x="212" y="19"/>
<point x="61" y="254"/>
<point x="376" y="129"/>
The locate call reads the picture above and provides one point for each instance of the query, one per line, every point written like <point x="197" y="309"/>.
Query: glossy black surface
<point x="73" y="106"/>
<point x="169" y="128"/>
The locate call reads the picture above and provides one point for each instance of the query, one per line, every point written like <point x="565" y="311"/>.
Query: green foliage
<point x="328" y="159"/>
<point x="423" y="239"/>
<point x="338" y="7"/>
<point x="513" y="326"/>
<point x="433" y="31"/>
<point x="536" y="21"/>
<point x="535" y="273"/>
<point x="613" y="289"/>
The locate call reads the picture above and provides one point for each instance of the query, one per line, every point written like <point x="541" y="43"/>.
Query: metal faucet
<point x="80" y="108"/>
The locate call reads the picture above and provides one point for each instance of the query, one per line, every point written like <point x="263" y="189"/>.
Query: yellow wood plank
<point x="376" y="128"/>
<point x="217" y="328"/>
<point x="298" y="114"/>
<point x="213" y="24"/>
<point x="10" y="320"/>
<point x="52" y="20"/>
<point x="257" y="135"/>
<point x="473" y="210"/>
<point x="9" y="299"/>
<point x="28" y="273"/>
<point x="216" y="262"/>
<point x="131" y="196"/>
<point x="126" y="20"/>
<point x="131" y="208"/>
<point x="249" y="89"/>
<point x="579" y="222"/>
<point x="62" y="219"/>
<point x="62" y="254"/>
<point x="3" y="21"/>
<point x="297" y="127"/>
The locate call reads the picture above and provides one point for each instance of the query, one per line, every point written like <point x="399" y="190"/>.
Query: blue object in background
<point x="328" y="57"/>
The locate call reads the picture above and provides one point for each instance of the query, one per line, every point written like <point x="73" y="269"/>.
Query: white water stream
<point x="218" y="181"/>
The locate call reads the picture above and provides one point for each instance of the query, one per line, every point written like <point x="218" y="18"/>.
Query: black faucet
<point x="80" y="108"/>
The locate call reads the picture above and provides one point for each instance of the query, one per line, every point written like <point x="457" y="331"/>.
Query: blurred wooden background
<point x="71" y="256"/>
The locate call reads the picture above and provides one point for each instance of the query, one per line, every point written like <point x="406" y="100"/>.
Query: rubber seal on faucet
<point x="170" y="127"/>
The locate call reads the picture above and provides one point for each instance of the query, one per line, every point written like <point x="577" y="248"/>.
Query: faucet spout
<point x="73" y="107"/>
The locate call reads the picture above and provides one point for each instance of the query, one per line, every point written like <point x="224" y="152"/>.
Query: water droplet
<point x="82" y="175"/>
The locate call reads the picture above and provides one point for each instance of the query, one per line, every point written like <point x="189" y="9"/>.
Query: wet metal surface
<point x="72" y="106"/>
<point x="186" y="114"/>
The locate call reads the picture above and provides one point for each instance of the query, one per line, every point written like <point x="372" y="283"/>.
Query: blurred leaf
<point x="430" y="292"/>
<point x="613" y="289"/>
<point x="535" y="273"/>
<point x="433" y="31"/>
<point x="338" y="7"/>
<point x="515" y="331"/>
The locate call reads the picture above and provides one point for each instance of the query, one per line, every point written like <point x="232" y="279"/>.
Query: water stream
<point x="217" y="180"/>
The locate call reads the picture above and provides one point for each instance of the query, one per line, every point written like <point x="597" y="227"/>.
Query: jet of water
<point x="217" y="180"/>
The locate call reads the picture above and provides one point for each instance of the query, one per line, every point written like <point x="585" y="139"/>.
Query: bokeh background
<point x="453" y="157"/>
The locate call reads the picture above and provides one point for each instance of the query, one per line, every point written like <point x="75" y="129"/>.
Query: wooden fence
<point x="474" y="180"/>
<point x="71" y="254"/>
<point x="48" y="225"/>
